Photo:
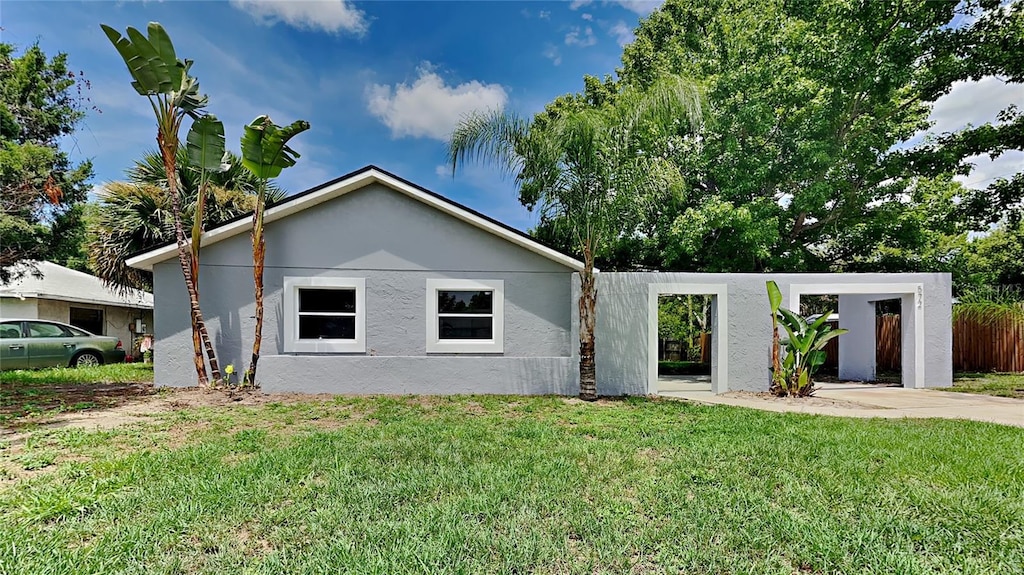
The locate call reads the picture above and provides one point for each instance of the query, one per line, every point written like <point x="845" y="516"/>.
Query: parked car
<point x="32" y="343"/>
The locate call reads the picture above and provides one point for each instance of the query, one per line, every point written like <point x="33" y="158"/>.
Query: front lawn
<point x="513" y="485"/>
<point x="43" y="392"/>
<point x="999" y="384"/>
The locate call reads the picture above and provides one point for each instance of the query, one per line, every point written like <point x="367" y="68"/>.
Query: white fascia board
<point x="75" y="299"/>
<point x="146" y="260"/>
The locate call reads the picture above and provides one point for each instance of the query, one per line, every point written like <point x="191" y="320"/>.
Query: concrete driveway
<point x="860" y="400"/>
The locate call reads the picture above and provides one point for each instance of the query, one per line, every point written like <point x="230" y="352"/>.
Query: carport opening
<point x="883" y="344"/>
<point x="685" y="335"/>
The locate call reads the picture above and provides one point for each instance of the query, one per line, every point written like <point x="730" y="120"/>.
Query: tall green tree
<point x="810" y="158"/>
<point x="585" y="171"/>
<point x="996" y="258"/>
<point x="41" y="189"/>
<point x="265" y="154"/>
<point x="173" y="93"/>
<point x="135" y="215"/>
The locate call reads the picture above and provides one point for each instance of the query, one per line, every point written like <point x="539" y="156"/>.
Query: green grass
<point x="112" y="373"/>
<point x="998" y="384"/>
<point x="514" y="485"/>
<point x="38" y="393"/>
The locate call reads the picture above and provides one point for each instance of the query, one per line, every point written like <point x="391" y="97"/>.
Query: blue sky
<point x="381" y="82"/>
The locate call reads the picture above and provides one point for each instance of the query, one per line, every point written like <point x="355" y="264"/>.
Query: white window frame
<point x="494" y="345"/>
<point x="292" y="343"/>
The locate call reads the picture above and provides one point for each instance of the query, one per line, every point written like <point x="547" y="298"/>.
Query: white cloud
<point x="587" y="16"/>
<point x="332" y="16"/>
<point x="580" y="37"/>
<point x="974" y="102"/>
<point x="443" y="171"/>
<point x="551" y="53"/>
<point x="544" y="14"/>
<point x="429" y="107"/>
<point x="622" y="33"/>
<point x="986" y="171"/>
<point x="641" y="7"/>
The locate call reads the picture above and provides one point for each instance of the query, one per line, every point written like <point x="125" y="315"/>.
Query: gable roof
<point x="348" y="183"/>
<point x="65" y="284"/>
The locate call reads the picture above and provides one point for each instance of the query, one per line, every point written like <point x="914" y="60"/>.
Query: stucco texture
<point x="624" y="322"/>
<point x="396" y="243"/>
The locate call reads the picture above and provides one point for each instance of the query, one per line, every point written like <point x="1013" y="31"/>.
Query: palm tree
<point x="173" y="93"/>
<point x="135" y="215"/>
<point x="265" y="153"/>
<point x="586" y="171"/>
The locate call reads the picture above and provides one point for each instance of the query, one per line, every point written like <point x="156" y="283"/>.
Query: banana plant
<point x="173" y="93"/>
<point x="265" y="153"/>
<point x="775" y="300"/>
<point x="805" y="347"/>
<point x="206" y="153"/>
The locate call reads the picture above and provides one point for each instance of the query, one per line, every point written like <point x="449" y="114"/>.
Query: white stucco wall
<point x="12" y="307"/>
<point x="625" y="321"/>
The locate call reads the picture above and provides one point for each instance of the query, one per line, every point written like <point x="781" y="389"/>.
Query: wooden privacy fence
<point x="677" y="350"/>
<point x="998" y="346"/>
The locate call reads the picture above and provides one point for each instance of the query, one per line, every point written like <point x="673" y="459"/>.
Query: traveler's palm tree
<point x="172" y="93"/>
<point x="265" y="154"/>
<point x="585" y="170"/>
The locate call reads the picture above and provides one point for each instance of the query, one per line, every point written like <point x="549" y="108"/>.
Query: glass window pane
<point x="327" y="327"/>
<point x="464" y="301"/>
<point x="327" y="300"/>
<point x="10" y="330"/>
<point x="465" y="327"/>
<point x="38" y="329"/>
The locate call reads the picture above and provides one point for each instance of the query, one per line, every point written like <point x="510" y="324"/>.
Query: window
<point x="91" y="320"/>
<point x="324" y="315"/>
<point x="39" y="329"/>
<point x="465" y="316"/>
<point x="10" y="330"/>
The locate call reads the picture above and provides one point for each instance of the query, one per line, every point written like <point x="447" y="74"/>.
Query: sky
<point x="381" y="82"/>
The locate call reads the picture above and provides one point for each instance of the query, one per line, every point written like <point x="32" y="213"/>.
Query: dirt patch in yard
<point x="105" y="406"/>
<point x="811" y="401"/>
<point x="32" y="401"/>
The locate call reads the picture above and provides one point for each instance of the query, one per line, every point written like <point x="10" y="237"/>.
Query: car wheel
<point x="87" y="359"/>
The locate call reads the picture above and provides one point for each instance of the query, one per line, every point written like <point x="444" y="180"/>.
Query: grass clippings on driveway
<point x="513" y="485"/>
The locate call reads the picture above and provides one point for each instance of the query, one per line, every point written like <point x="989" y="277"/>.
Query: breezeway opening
<point x="857" y="305"/>
<point x="716" y="382"/>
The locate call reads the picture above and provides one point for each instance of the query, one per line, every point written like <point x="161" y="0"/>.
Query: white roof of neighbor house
<point x="348" y="183"/>
<point x="61" y="283"/>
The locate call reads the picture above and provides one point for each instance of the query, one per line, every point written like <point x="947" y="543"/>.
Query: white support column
<point x="857" y="348"/>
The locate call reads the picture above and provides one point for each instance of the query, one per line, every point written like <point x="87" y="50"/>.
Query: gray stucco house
<point x="376" y="285"/>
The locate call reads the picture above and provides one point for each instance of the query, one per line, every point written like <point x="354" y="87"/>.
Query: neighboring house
<point x="376" y="285"/>
<point x="79" y="299"/>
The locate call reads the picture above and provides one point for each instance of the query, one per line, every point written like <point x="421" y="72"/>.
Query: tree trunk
<point x="588" y="315"/>
<point x="200" y="338"/>
<point x="259" y="250"/>
<point x="776" y="385"/>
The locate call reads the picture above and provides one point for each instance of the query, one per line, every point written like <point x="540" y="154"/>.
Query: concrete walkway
<point x="859" y="400"/>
